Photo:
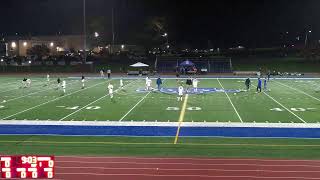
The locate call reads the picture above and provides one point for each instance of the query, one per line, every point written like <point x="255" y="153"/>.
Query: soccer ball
<point x="234" y="93"/>
<point x="4" y="101"/>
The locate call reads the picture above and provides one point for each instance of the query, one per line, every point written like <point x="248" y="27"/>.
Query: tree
<point x="39" y="51"/>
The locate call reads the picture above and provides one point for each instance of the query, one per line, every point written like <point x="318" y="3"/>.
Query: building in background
<point x="18" y="46"/>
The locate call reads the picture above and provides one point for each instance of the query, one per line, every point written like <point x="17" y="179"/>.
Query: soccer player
<point x="248" y="84"/>
<point x="24" y="82"/>
<point x="110" y="88"/>
<point x="64" y="86"/>
<point x="48" y="80"/>
<point x="102" y="73"/>
<point x="269" y="74"/>
<point x="189" y="83"/>
<point x="195" y="84"/>
<point x="82" y="80"/>
<point x="147" y="79"/>
<point x="159" y="82"/>
<point x="180" y="93"/>
<point x="109" y="73"/>
<point x="121" y="83"/>
<point x="259" y="85"/>
<point x="28" y="82"/>
<point x="59" y="83"/>
<point x="265" y="87"/>
<point x="149" y="82"/>
<point x="48" y="77"/>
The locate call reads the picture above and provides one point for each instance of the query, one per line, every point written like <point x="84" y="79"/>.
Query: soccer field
<point x="217" y="100"/>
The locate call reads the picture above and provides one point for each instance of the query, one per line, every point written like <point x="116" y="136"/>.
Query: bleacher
<point x="167" y="64"/>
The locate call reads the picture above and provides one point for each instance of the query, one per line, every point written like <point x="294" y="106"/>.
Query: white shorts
<point x="180" y="93"/>
<point x="110" y="92"/>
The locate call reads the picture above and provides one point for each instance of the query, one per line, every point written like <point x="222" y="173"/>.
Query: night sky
<point x="222" y="23"/>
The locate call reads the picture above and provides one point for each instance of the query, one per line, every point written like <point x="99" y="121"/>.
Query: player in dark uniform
<point x="248" y="83"/>
<point x="259" y="85"/>
<point x="59" y="83"/>
<point x="82" y="81"/>
<point x="159" y="82"/>
<point x="24" y="83"/>
<point x="189" y="83"/>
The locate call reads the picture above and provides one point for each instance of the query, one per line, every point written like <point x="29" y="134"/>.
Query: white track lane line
<point x="51" y="101"/>
<point x="230" y="101"/>
<point x="297" y="90"/>
<point x="91" y="103"/>
<point x="284" y="107"/>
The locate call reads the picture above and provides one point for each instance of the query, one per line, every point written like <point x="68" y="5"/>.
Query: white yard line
<point x="230" y="101"/>
<point x="298" y="90"/>
<point x="134" y="106"/>
<point x="284" y="107"/>
<point x="91" y="103"/>
<point x="19" y="97"/>
<point x="51" y="101"/>
<point x="144" y="97"/>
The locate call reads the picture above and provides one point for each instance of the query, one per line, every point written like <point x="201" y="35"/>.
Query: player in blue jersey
<point x="159" y="82"/>
<point x="259" y="85"/>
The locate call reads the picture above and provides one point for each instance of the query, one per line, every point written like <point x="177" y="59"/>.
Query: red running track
<point x="135" y="168"/>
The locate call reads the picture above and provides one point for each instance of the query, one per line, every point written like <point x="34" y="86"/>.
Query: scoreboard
<point x="24" y="167"/>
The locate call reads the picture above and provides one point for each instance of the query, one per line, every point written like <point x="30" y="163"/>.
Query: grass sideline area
<point x="162" y="147"/>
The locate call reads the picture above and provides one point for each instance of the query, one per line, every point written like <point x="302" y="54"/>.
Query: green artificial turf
<point x="289" y="101"/>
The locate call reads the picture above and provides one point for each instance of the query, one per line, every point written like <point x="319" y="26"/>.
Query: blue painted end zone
<point x="159" y="131"/>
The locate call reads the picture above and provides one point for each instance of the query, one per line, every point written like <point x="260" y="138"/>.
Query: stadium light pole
<point x="84" y="32"/>
<point x="306" y="39"/>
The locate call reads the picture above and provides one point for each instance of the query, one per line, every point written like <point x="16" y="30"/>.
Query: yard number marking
<point x="77" y="107"/>
<point x="292" y="109"/>
<point x="188" y="108"/>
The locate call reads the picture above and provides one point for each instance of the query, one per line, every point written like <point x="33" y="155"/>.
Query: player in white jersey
<point x="82" y="81"/>
<point x="195" y="84"/>
<point x="180" y="93"/>
<point x="121" y="83"/>
<point x="147" y="79"/>
<point x="48" y="80"/>
<point x="110" y="88"/>
<point x="64" y="84"/>
<point x="102" y="73"/>
<point x="24" y="83"/>
<point x="28" y="82"/>
<point x="149" y="82"/>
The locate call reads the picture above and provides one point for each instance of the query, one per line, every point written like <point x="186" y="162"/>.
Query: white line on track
<point x="189" y="163"/>
<point x="298" y="90"/>
<point x="186" y="169"/>
<point x="91" y="103"/>
<point x="230" y="101"/>
<point x="190" y="175"/>
<point x="51" y="101"/>
<point x="190" y="158"/>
